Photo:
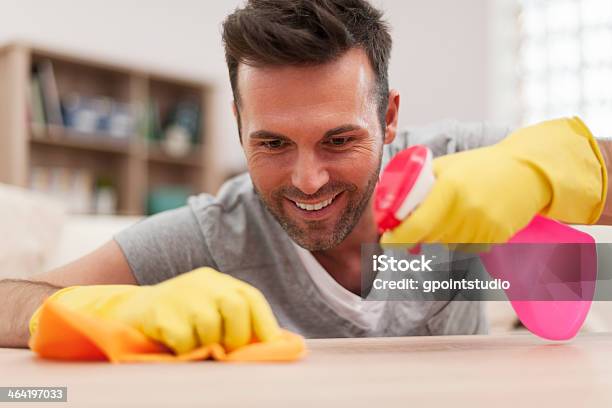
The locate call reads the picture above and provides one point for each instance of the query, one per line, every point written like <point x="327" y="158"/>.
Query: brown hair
<point x="307" y="32"/>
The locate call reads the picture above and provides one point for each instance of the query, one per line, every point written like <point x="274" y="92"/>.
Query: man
<point x="314" y="113"/>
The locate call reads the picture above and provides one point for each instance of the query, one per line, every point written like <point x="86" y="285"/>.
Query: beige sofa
<point x="37" y="235"/>
<point x="81" y="234"/>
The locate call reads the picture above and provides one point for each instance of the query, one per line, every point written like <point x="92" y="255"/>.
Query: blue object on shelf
<point x="166" y="198"/>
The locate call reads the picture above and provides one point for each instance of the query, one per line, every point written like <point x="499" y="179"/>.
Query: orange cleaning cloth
<point x="66" y="334"/>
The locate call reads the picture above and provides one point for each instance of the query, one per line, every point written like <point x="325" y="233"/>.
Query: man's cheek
<point x="269" y="186"/>
<point x="261" y="171"/>
<point x="358" y="159"/>
<point x="269" y="165"/>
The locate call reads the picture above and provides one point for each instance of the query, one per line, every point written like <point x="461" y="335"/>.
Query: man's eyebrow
<point x="267" y="134"/>
<point x="341" y="129"/>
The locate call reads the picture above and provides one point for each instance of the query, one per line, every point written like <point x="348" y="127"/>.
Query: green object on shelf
<point x="154" y="132"/>
<point x="166" y="198"/>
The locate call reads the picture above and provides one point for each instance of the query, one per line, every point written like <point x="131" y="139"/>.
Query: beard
<point x="315" y="235"/>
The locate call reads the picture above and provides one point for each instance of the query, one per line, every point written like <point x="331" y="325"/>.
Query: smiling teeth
<point x="314" y="207"/>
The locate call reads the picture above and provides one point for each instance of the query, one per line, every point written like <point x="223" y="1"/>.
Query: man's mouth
<point x="314" y="206"/>
<point x="317" y="207"/>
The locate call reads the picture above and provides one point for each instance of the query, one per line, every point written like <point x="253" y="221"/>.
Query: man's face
<point x="313" y="144"/>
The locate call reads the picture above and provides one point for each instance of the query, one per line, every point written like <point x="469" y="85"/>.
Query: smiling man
<point x="316" y="119"/>
<point x="313" y="139"/>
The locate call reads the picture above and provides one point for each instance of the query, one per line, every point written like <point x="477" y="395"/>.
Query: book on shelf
<point x="49" y="92"/>
<point x="37" y="110"/>
<point x="154" y="127"/>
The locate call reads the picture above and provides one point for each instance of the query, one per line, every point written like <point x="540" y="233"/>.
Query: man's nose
<point x="309" y="173"/>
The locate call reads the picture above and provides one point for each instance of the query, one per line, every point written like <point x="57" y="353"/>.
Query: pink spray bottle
<point x="534" y="260"/>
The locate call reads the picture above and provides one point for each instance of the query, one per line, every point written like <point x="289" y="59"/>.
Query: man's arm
<point x="450" y="136"/>
<point x="19" y="299"/>
<point x="605" y="146"/>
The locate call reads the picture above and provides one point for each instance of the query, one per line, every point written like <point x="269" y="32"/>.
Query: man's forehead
<point x="349" y="77"/>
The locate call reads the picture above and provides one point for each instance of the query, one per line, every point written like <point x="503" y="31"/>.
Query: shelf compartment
<point x="133" y="166"/>
<point x="61" y="137"/>
<point x="155" y="153"/>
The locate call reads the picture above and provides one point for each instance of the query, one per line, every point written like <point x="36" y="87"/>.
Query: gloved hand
<point x="486" y="195"/>
<point x="197" y="308"/>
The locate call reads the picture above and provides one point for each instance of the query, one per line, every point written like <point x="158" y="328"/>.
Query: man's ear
<point x="392" y="116"/>
<point x="234" y="109"/>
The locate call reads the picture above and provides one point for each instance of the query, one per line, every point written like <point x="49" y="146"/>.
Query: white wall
<point x="439" y="60"/>
<point x="503" y="96"/>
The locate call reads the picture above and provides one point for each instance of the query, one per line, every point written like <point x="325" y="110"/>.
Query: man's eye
<point x="273" y="144"/>
<point x="339" y="141"/>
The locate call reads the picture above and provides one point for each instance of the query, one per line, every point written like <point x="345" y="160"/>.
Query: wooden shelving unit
<point x="136" y="165"/>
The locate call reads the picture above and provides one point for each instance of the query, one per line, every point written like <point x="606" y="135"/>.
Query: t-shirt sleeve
<point x="163" y="246"/>
<point x="446" y="137"/>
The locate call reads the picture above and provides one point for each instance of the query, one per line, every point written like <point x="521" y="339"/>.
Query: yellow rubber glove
<point x="486" y="195"/>
<point x="197" y="308"/>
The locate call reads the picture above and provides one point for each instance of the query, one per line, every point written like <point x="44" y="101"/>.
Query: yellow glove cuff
<point x="33" y="325"/>
<point x="566" y="155"/>
<point x="582" y="129"/>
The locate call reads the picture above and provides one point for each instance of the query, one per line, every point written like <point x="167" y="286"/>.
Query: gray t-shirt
<point x="234" y="233"/>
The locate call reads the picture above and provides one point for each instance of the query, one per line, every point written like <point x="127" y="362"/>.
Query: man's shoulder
<point x="238" y="230"/>
<point x="235" y="208"/>
<point x="233" y="194"/>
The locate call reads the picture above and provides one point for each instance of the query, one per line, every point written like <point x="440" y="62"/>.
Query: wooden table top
<point x="511" y="370"/>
